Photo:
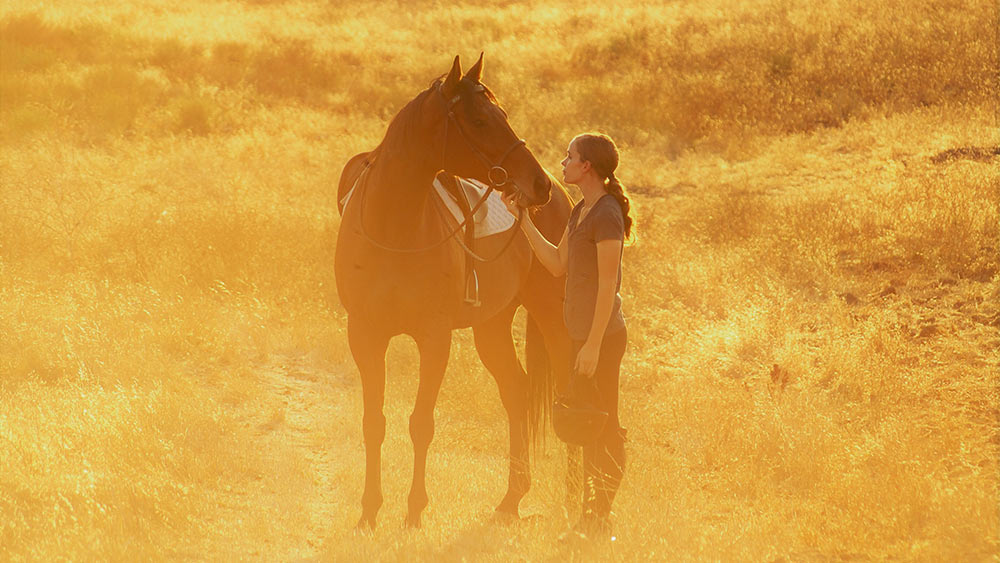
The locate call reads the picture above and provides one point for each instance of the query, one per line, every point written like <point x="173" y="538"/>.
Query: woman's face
<point x="574" y="168"/>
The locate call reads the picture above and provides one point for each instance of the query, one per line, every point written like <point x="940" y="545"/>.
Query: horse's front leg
<point x="368" y="347"/>
<point x="434" y="348"/>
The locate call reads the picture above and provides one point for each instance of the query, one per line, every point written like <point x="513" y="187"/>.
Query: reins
<point x="364" y="231"/>
<point x="494" y="183"/>
<point x="510" y="239"/>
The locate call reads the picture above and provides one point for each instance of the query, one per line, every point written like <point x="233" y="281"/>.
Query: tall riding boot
<point x="605" y="467"/>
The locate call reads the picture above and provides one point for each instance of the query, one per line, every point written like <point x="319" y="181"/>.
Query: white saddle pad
<point x="492" y="216"/>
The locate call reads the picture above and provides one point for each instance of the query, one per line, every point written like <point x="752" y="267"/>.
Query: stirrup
<point x="472" y="290"/>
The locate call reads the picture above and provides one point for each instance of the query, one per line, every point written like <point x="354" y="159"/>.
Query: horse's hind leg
<point x="368" y="348"/>
<point x="434" y="349"/>
<point x="496" y="350"/>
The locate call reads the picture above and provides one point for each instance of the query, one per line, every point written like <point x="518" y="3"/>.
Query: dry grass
<point x="813" y="299"/>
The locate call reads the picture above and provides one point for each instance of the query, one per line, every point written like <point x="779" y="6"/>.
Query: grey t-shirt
<point x="603" y="222"/>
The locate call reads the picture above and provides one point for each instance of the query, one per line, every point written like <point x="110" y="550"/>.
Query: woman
<point x="589" y="254"/>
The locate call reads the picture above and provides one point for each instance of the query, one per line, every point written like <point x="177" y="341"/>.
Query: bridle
<point x="497" y="176"/>
<point x="493" y="168"/>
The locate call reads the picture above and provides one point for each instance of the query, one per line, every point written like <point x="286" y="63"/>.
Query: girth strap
<point x="471" y="280"/>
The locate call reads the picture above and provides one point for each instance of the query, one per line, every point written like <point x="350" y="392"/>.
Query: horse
<point x="401" y="267"/>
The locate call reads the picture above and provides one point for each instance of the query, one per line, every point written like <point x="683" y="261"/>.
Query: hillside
<point x="813" y="297"/>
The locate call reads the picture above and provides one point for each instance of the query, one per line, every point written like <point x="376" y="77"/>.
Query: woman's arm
<point x="553" y="257"/>
<point x="608" y="257"/>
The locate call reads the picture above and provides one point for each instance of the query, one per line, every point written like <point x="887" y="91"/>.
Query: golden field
<point x="813" y="297"/>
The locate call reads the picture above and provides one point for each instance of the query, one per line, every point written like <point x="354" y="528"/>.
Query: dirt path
<point x="306" y="409"/>
<point x="286" y="511"/>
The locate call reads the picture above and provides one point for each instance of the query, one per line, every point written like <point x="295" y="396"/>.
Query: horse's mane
<point x="400" y="134"/>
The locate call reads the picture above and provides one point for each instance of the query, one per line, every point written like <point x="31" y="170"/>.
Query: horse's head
<point x="478" y="141"/>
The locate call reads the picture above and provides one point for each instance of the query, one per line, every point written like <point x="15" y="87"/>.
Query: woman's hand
<point x="586" y="359"/>
<point x="511" y="201"/>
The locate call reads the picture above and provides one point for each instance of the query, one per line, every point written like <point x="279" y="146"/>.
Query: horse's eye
<point x="479" y="122"/>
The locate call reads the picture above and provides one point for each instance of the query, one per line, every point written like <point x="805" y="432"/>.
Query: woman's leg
<point x="604" y="461"/>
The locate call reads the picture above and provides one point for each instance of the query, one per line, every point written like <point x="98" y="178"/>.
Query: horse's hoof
<point x="505" y="514"/>
<point x="413" y="522"/>
<point x="510" y="504"/>
<point x="533" y="518"/>
<point x="504" y="518"/>
<point x="365" y="526"/>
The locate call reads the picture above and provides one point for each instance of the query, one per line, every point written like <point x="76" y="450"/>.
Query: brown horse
<point x="401" y="268"/>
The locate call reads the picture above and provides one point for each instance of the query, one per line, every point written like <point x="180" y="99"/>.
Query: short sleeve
<point x="571" y="223"/>
<point x="608" y="223"/>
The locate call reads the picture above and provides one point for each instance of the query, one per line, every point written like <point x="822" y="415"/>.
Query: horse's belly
<point x="499" y="281"/>
<point x="396" y="294"/>
<point x="413" y="292"/>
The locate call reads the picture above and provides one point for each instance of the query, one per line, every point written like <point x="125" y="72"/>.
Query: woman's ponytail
<point x="617" y="190"/>
<point x="601" y="152"/>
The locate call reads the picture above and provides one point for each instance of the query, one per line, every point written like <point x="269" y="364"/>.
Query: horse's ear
<point x="476" y="72"/>
<point x="451" y="83"/>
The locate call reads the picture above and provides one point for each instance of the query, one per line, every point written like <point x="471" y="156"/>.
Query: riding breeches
<point x="604" y="460"/>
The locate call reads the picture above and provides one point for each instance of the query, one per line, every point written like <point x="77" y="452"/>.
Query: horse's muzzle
<point x="541" y="190"/>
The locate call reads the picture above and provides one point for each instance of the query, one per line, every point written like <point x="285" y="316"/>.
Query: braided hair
<point x="602" y="154"/>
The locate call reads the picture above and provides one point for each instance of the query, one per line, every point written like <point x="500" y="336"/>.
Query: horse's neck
<point x="397" y="200"/>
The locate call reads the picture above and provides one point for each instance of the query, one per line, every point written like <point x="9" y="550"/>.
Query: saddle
<point x="462" y="198"/>
<point x="461" y="195"/>
<point x="465" y="197"/>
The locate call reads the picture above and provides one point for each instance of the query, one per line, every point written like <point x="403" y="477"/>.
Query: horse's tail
<point x="354" y="167"/>
<point x="542" y="374"/>
<point x="541" y="380"/>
